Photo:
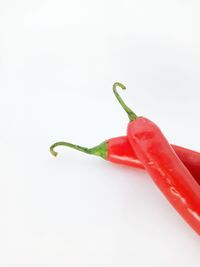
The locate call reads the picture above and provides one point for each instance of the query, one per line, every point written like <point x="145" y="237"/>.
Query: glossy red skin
<point x="120" y="151"/>
<point x="166" y="169"/>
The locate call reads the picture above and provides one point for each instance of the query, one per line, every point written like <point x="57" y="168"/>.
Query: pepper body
<point x="166" y="169"/>
<point x="120" y="151"/>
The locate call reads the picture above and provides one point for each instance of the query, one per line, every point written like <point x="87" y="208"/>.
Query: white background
<point x="58" y="61"/>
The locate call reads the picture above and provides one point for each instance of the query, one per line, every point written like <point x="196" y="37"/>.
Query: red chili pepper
<point x="161" y="162"/>
<point x="118" y="150"/>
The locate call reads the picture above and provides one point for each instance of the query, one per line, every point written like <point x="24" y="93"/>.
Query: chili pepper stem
<point x="132" y="116"/>
<point x="100" y="150"/>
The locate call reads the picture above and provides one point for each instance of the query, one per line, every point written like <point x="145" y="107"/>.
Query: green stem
<point x="132" y="116"/>
<point x="100" y="150"/>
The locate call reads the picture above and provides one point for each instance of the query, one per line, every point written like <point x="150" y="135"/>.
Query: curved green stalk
<point x="132" y="116"/>
<point x="100" y="150"/>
